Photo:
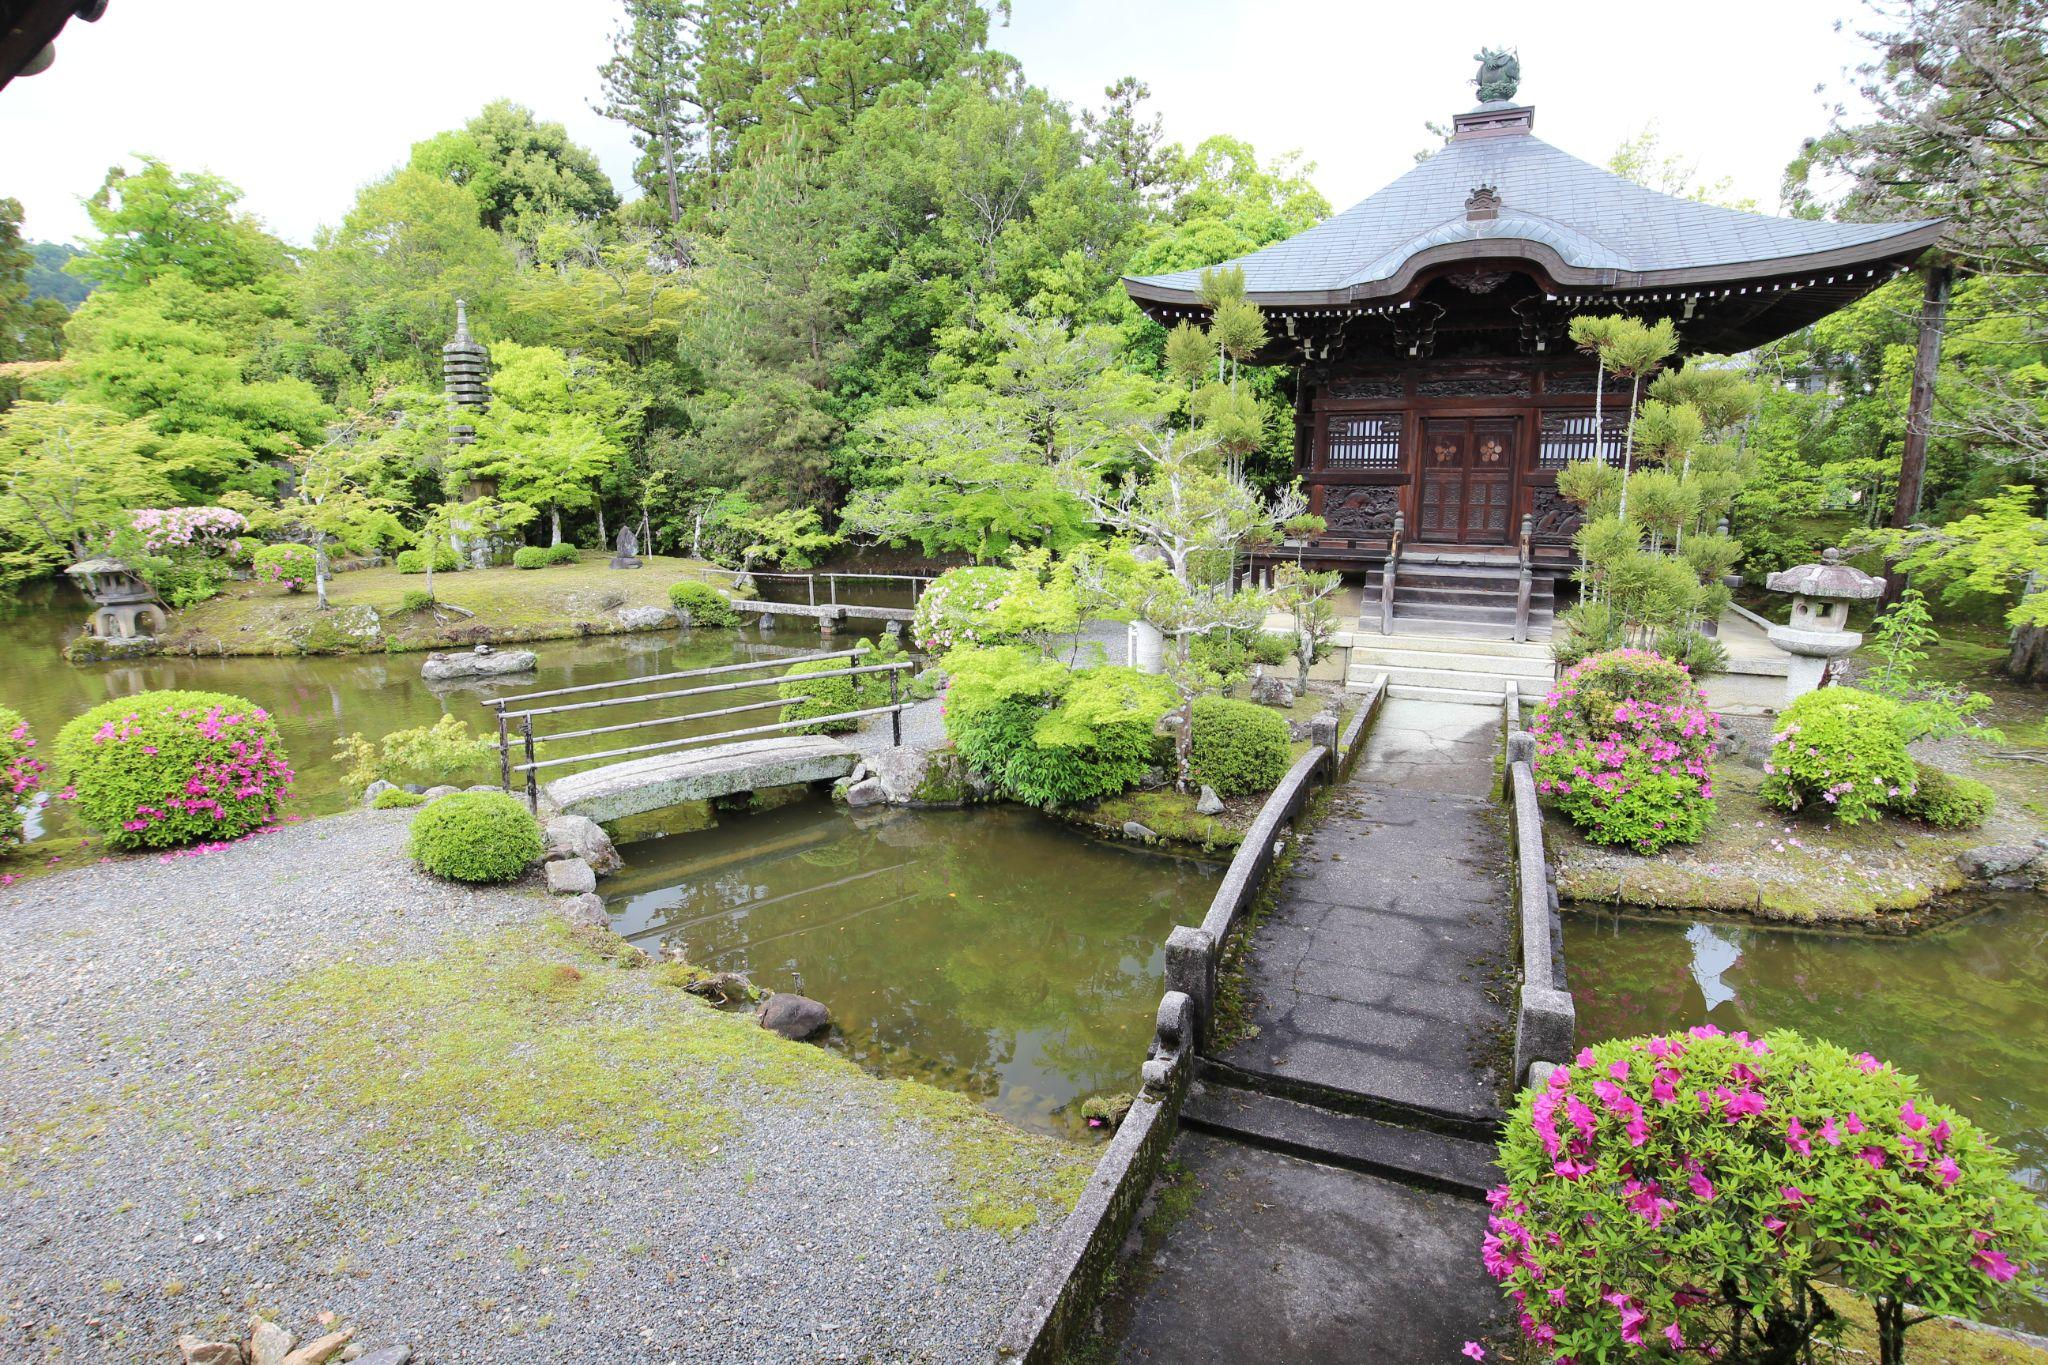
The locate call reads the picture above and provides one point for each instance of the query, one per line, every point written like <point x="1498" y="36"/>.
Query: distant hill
<point x="46" y="277"/>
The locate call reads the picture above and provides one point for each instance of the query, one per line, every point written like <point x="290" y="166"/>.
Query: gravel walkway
<point x="140" y="1195"/>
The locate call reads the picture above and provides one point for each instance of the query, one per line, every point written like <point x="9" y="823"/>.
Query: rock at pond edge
<point x="571" y="877"/>
<point x="795" y="1017"/>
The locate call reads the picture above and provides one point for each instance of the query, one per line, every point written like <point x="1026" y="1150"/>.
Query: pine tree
<point x="646" y="87"/>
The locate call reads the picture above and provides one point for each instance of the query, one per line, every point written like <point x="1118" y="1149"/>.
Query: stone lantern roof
<point x="1830" y="580"/>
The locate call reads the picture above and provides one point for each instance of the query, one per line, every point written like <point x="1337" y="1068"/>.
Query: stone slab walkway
<point x="1339" y="1150"/>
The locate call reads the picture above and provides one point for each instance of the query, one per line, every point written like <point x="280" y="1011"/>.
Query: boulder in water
<point x="483" y="662"/>
<point x="795" y="1017"/>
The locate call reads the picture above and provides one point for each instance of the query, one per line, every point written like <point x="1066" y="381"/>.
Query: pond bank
<point x="295" y="1076"/>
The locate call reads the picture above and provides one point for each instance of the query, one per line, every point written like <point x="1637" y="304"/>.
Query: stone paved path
<point x="1340" y="1151"/>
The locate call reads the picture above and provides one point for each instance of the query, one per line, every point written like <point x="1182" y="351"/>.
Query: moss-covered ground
<point x="505" y="605"/>
<point x="539" y="1030"/>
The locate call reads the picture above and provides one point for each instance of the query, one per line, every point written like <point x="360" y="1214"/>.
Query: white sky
<point x="301" y="104"/>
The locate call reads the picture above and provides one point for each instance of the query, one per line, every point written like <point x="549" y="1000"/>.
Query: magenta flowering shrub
<point x="165" y="530"/>
<point x="955" y="608"/>
<point x="167" y="768"/>
<point x="21" y="776"/>
<point x="1625" y="748"/>
<point x="1679" y="1196"/>
<point x="1840" y="751"/>
<point x="290" y="566"/>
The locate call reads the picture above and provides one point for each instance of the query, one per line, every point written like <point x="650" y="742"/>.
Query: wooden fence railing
<point x="520" y="709"/>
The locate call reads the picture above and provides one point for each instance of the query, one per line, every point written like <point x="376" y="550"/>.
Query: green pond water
<point x="990" y="951"/>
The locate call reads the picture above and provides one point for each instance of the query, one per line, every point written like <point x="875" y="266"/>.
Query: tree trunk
<point x="1628" y="445"/>
<point x="2028" y="661"/>
<point x="432" y="549"/>
<point x="320" y="574"/>
<point x="602" y="538"/>
<point x="555" y="522"/>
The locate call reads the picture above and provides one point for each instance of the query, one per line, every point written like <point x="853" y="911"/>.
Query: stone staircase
<point x="1431" y="666"/>
<point x="1461" y="595"/>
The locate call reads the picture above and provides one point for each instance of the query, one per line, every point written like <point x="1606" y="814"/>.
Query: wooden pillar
<point x="1919" y="414"/>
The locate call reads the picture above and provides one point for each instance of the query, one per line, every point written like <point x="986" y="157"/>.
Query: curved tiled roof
<point x="1583" y="225"/>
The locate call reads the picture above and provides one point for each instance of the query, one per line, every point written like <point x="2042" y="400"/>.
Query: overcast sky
<point x="301" y="104"/>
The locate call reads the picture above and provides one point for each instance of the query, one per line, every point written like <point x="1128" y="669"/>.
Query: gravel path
<point x="141" y="1197"/>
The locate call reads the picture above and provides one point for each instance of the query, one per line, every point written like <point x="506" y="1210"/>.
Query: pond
<point x="1964" y="1007"/>
<point x="990" y="951"/>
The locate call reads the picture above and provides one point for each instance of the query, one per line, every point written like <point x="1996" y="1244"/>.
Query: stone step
<point x="1463" y="696"/>
<point x="1393" y="657"/>
<point x="1428" y="600"/>
<point x="1370" y="638"/>
<point x="1219" y="1074"/>
<point x="1494" y="684"/>
<point x="1413" y="1156"/>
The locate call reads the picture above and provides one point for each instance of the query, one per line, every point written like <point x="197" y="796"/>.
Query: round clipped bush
<point x="955" y="609"/>
<point x="416" y="599"/>
<point x="167" y="768"/>
<point x="565" y="553"/>
<point x="475" y="837"/>
<point x="290" y="566"/>
<point x="1046" y="735"/>
<point x="21" y="776"/>
<point x="397" y="798"/>
<point x="1237" y="747"/>
<point x="701" y="604"/>
<point x="1839" y="750"/>
<point x="1947" y="801"/>
<point x="415" y="561"/>
<point x="1683" y="1195"/>
<point x="531" y="557"/>
<point x="823" y="696"/>
<point x="1625" y="747"/>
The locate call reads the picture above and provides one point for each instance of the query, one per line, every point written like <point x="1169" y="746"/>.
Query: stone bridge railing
<point x="1058" y="1302"/>
<point x="1545" y="1020"/>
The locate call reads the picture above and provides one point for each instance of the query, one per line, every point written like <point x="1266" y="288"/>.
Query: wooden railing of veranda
<point x="516" y="714"/>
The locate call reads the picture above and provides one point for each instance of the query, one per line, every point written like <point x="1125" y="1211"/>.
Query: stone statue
<point x="1500" y="74"/>
<point x="628" y="550"/>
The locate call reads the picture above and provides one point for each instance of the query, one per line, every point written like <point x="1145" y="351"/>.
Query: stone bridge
<point x="641" y="785"/>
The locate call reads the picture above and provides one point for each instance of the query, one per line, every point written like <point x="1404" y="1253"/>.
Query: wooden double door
<point x="1467" y="480"/>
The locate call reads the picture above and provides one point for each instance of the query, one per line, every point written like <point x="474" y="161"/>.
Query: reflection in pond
<point x="1964" y="1008"/>
<point x="989" y="951"/>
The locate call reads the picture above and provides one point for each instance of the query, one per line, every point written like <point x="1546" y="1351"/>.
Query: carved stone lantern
<point x="124" y="607"/>
<point x="1818" y="632"/>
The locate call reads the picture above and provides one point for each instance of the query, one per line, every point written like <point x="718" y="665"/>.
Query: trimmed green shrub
<point x="1625" y="747"/>
<point x="1696" y="651"/>
<point x="397" y="798"/>
<point x="415" y="561"/>
<point x="1238" y="747"/>
<point x="167" y="768"/>
<point x="702" y="604"/>
<point x="1947" y="801"/>
<point x="1048" y="736"/>
<point x="565" y="553"/>
<point x="826" y="696"/>
<point x="1839" y="748"/>
<point x="1687" y="1194"/>
<point x="475" y="837"/>
<point x="1228" y="655"/>
<point x="530" y="557"/>
<point x="290" y="566"/>
<point x="416" y="599"/>
<point x="1588" y="628"/>
<point x="21" y="776"/>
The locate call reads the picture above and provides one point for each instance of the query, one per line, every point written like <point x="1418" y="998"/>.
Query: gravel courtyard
<point x="294" y="1076"/>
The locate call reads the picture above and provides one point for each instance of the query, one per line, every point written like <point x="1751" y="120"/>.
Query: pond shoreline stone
<point x="571" y="877"/>
<point x="482" y="662"/>
<point x="579" y="836"/>
<point x="795" y="1017"/>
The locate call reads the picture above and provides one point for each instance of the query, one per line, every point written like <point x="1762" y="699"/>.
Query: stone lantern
<point x="124" y="607"/>
<point x="1818" y="632"/>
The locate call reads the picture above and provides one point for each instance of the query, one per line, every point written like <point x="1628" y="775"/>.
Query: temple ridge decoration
<point x="1429" y="327"/>
<point x="1500" y="73"/>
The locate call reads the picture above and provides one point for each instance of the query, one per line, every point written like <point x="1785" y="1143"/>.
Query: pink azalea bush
<point x="290" y="566"/>
<point x="21" y="776"/>
<point x="1840" y="751"/>
<point x="1625" y="748"/>
<point x="1679" y="1196"/>
<point x="169" y="768"/>
<point x="955" y="609"/>
<point x="167" y="529"/>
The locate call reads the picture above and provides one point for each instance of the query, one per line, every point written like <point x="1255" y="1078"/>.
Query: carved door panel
<point x="1468" y="480"/>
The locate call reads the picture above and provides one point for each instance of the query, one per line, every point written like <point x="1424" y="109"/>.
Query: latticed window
<point x="1567" y="435"/>
<point x="1363" y="440"/>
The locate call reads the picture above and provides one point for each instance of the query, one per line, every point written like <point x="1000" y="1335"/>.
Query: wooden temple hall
<point x="1438" y="391"/>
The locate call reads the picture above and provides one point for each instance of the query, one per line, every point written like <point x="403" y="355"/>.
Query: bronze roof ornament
<point x="1500" y="73"/>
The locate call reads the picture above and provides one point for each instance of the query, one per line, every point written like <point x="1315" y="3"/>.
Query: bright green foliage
<point x="21" y="776"/>
<point x="289" y="566"/>
<point x="1239" y="747"/>
<point x="1898" y="647"/>
<point x="416" y="599"/>
<point x="1624" y="748"/>
<point x="1228" y="655"/>
<point x="564" y="553"/>
<point x="986" y="606"/>
<point x="703" y="604"/>
<point x="555" y="427"/>
<point x="443" y="752"/>
<point x="68" y="475"/>
<point x="1695" y="651"/>
<point x="397" y="798"/>
<point x="1696" y="1189"/>
<point x="165" y="768"/>
<point x="1840" y="750"/>
<point x="156" y="221"/>
<point x="475" y="837"/>
<point x="519" y="169"/>
<point x="1947" y="801"/>
<point x="415" y="561"/>
<point x="530" y="557"/>
<point x="1045" y="735"/>
<point x="1583" y="629"/>
<point x="829" y="696"/>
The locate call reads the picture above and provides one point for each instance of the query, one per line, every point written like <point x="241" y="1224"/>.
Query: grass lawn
<point x="506" y="604"/>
